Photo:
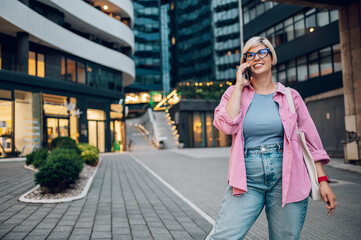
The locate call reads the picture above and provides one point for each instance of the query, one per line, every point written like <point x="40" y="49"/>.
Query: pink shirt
<point x="296" y="184"/>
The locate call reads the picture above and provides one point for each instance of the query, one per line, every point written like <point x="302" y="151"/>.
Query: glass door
<point x="56" y="127"/>
<point x="97" y="134"/>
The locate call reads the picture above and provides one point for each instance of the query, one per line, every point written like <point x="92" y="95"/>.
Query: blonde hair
<point x="256" y="41"/>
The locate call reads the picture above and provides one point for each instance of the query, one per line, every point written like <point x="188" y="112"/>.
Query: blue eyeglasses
<point x="262" y="53"/>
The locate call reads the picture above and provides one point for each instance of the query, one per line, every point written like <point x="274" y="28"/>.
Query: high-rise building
<point x="63" y="68"/>
<point x="192" y="41"/>
<point x="147" y="54"/>
<point x="307" y="43"/>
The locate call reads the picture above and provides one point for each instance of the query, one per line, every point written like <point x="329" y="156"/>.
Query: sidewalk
<point x="124" y="202"/>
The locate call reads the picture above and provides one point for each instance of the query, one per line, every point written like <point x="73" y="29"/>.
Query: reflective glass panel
<point x="41" y="65"/>
<point x="32" y="64"/>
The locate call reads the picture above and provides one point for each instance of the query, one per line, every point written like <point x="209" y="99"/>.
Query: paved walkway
<point x="124" y="202"/>
<point x="200" y="175"/>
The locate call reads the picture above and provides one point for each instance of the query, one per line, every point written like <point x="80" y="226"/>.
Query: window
<point x="326" y="61"/>
<point x="32" y="64"/>
<point x="71" y="70"/>
<point x="302" y="69"/>
<point x="81" y="72"/>
<point x="313" y="65"/>
<point x="299" y="25"/>
<point x="337" y="66"/>
<point x="282" y="73"/>
<point x="291" y="71"/>
<point x="322" y="18"/>
<point x="36" y="64"/>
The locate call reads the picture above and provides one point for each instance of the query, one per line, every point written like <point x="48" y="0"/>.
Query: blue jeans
<point x="264" y="183"/>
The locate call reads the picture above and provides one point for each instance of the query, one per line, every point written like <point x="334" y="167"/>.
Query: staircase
<point x="165" y="130"/>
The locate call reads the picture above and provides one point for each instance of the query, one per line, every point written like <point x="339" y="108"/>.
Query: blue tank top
<point x="262" y="123"/>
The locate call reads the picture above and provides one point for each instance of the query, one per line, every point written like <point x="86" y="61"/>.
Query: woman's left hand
<point x="328" y="196"/>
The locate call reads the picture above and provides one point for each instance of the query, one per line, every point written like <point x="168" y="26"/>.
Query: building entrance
<point x="96" y="126"/>
<point x="56" y="127"/>
<point x="6" y="127"/>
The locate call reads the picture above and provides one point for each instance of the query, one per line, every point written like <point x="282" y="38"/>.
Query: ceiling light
<point x="105" y="7"/>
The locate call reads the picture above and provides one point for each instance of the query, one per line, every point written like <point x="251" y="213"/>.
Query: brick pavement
<point x="124" y="202"/>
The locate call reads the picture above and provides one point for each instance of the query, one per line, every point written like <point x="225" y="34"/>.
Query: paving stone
<point x="121" y="237"/>
<point x="15" y="235"/>
<point x="102" y="235"/>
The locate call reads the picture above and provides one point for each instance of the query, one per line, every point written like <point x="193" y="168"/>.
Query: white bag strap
<point x="290" y="102"/>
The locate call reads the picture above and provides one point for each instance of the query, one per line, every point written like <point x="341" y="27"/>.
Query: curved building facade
<point x="63" y="69"/>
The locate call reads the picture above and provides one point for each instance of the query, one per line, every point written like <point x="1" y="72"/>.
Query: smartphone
<point x="247" y="74"/>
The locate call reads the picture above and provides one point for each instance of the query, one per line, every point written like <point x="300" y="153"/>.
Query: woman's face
<point x="260" y="65"/>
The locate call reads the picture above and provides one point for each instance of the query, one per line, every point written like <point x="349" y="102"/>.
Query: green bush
<point x="37" y="157"/>
<point x="89" y="153"/>
<point x="64" y="142"/>
<point x="90" y="157"/>
<point x="86" y="146"/>
<point x="62" y="168"/>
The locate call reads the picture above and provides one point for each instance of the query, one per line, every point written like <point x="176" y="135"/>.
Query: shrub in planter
<point x="89" y="153"/>
<point x="64" y="142"/>
<point x="37" y="157"/>
<point x="86" y="146"/>
<point x="90" y="157"/>
<point x="62" y="168"/>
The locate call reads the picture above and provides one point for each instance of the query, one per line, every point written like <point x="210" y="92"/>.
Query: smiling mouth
<point x="257" y="65"/>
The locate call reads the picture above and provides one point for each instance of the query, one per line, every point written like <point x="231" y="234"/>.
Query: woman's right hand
<point x="240" y="80"/>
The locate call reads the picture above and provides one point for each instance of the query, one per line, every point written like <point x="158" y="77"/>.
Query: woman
<point x="266" y="163"/>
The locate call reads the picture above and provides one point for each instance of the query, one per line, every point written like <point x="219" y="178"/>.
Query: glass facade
<point x="165" y="41"/>
<point x="202" y="133"/>
<point x="36" y="64"/>
<point x="256" y="8"/>
<point x="147" y="54"/>
<point x="298" y="25"/>
<point x="318" y="63"/>
<point x="193" y="41"/>
<point x="226" y="38"/>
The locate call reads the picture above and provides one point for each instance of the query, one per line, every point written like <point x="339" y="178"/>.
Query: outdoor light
<point x="312" y="29"/>
<point x="105" y="7"/>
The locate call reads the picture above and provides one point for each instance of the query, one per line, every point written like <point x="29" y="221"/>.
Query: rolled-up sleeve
<point x="307" y="126"/>
<point x="222" y="121"/>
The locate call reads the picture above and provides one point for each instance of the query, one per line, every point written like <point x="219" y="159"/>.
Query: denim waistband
<point x="264" y="148"/>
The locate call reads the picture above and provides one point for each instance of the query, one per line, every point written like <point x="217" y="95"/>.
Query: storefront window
<point x="117" y="128"/>
<point x="197" y="129"/>
<point x="96" y="127"/>
<point x="6" y="127"/>
<point x="27" y="121"/>
<point x="74" y="121"/>
<point x="211" y="133"/>
<point x="56" y="117"/>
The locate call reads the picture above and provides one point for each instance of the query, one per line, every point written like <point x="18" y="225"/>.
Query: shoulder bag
<point x="307" y="157"/>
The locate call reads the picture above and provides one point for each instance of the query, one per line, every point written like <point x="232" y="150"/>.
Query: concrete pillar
<point x="22" y="52"/>
<point x="350" y="40"/>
